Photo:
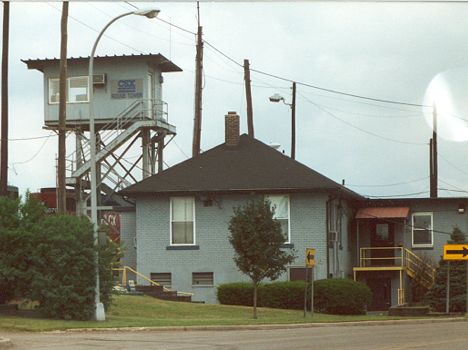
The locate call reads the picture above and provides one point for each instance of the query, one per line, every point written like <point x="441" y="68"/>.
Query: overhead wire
<point x="392" y="184"/>
<point x="31" y="138"/>
<point x="97" y="31"/>
<point x="35" y="154"/>
<point x="359" y="128"/>
<point x="396" y="195"/>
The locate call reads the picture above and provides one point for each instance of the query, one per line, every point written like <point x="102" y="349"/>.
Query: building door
<point x="382" y="240"/>
<point x="381" y="293"/>
<point x="150" y="101"/>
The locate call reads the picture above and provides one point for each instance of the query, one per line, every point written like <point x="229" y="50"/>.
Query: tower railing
<point x="143" y="109"/>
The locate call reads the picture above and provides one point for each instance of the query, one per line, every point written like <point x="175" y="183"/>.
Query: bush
<point x="280" y="295"/>
<point x="240" y="293"/>
<point x="64" y="265"/>
<point x="341" y="296"/>
<point x="334" y="296"/>
<point x="51" y="259"/>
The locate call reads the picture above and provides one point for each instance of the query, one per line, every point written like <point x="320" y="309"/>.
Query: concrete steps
<point x="159" y="293"/>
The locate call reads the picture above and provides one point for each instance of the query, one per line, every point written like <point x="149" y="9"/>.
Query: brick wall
<point x="231" y="129"/>
<point x="213" y="251"/>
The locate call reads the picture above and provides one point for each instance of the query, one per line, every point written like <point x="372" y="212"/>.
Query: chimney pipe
<point x="231" y="129"/>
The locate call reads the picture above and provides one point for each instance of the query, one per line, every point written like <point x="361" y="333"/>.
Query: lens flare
<point x="448" y="94"/>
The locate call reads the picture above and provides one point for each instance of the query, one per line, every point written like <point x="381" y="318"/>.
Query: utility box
<point x="125" y="88"/>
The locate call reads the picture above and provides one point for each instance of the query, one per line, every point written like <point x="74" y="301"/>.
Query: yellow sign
<point x="455" y="251"/>
<point x="310" y="257"/>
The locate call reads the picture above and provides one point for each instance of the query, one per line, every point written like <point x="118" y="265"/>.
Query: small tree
<point x="436" y="296"/>
<point x="256" y="238"/>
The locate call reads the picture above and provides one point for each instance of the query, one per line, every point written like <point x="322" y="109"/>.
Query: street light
<point x="149" y="13"/>
<point x="278" y="98"/>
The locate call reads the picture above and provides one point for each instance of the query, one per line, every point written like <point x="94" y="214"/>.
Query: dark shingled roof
<point x="252" y="166"/>
<point x="164" y="64"/>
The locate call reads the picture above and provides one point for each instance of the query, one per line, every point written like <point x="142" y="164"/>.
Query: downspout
<point x="339" y="238"/>
<point x="327" y="230"/>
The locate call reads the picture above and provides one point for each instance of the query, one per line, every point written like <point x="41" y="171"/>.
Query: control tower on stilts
<point x="130" y="115"/>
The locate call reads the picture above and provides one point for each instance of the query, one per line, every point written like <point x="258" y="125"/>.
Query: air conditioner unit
<point x="99" y="79"/>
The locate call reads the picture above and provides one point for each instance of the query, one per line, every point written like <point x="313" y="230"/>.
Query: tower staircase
<point x="138" y="120"/>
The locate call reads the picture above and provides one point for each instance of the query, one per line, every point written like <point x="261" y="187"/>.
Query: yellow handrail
<point x="412" y="259"/>
<point x="154" y="283"/>
<point x="366" y="258"/>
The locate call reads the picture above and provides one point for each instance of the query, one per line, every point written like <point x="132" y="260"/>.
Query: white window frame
<point x="68" y="89"/>
<point x="267" y="197"/>
<point x="194" y="223"/>
<point x="413" y="228"/>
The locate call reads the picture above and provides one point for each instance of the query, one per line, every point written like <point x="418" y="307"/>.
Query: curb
<point x="266" y="326"/>
<point x="5" y="343"/>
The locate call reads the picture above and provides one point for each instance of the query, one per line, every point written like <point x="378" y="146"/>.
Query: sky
<point x="404" y="52"/>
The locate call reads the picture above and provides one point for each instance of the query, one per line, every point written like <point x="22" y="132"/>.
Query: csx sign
<point x="127" y="85"/>
<point x="127" y="88"/>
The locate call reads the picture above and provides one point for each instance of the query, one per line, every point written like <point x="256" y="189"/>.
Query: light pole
<point x="100" y="314"/>
<point x="278" y="98"/>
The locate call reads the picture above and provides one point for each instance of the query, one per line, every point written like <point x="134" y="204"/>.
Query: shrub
<point x="334" y="296"/>
<point x="341" y="296"/>
<point x="51" y="259"/>
<point x="240" y="293"/>
<point x="64" y="265"/>
<point x="281" y="295"/>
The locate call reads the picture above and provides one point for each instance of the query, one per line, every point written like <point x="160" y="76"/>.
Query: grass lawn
<point x="143" y="311"/>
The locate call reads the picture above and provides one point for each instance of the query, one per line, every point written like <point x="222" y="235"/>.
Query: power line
<point x="453" y="165"/>
<point x="380" y="116"/>
<point x="35" y="154"/>
<point x="97" y="31"/>
<point x="341" y="92"/>
<point x="360" y="129"/>
<point x="32" y="138"/>
<point x="398" y="195"/>
<point x="392" y="184"/>
<point x="181" y="150"/>
<point x="135" y="28"/>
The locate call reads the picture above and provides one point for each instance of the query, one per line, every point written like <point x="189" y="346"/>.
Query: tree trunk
<point x="255" y="301"/>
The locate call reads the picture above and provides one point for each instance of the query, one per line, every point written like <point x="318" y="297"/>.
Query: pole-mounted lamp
<point x="149" y="13"/>
<point x="278" y="98"/>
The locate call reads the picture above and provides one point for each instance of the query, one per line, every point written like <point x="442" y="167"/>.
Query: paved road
<point x="451" y="335"/>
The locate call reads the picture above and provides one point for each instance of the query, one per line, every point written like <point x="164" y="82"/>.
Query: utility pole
<point x="248" y="96"/>
<point x="61" y="189"/>
<point x="293" y="122"/>
<point x="431" y="170"/>
<point x="198" y="90"/>
<point x="4" y="122"/>
<point x="433" y="193"/>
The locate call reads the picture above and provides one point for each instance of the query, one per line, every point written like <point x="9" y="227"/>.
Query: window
<point x="182" y="220"/>
<point x="381" y="232"/>
<point x="77" y="90"/>
<point x="422" y="230"/>
<point x="280" y="203"/>
<point x="54" y="91"/>
<point x="202" y="278"/>
<point x="163" y="278"/>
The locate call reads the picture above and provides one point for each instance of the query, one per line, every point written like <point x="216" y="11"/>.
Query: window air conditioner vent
<point x="99" y="79"/>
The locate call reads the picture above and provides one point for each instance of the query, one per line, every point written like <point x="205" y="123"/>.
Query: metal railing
<point x="125" y="269"/>
<point x="419" y="269"/>
<point x="381" y="256"/>
<point x="415" y="266"/>
<point x="144" y="109"/>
